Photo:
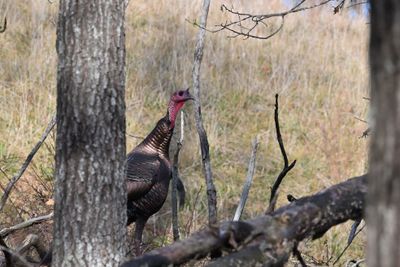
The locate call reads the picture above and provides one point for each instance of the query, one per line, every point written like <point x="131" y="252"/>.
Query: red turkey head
<point x="181" y="96"/>
<point x="177" y="101"/>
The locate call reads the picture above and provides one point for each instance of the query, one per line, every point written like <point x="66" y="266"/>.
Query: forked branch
<point x="286" y="166"/>
<point x="246" y="24"/>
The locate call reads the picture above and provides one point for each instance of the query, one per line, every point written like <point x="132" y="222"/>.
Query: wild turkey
<point x="149" y="168"/>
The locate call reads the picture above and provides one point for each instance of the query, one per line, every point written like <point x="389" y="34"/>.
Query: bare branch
<point x="18" y="257"/>
<point x="25" y="165"/>
<point x="238" y="29"/>
<point x="348" y="245"/>
<point x="6" y="231"/>
<point x="7" y="255"/>
<point x="205" y="153"/>
<point x="249" y="179"/>
<point x="286" y="166"/>
<point x="12" y="256"/>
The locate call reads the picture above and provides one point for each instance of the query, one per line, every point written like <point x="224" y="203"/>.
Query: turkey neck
<point x="160" y="137"/>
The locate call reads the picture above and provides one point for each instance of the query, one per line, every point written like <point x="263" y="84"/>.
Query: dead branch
<point x="3" y="29"/>
<point x="249" y="179"/>
<point x="25" y="165"/>
<point x="14" y="258"/>
<point x="349" y="241"/>
<point x="236" y="26"/>
<point x="7" y="255"/>
<point x="175" y="177"/>
<point x="205" y="153"/>
<point x="353" y="231"/>
<point x="286" y="166"/>
<point x="18" y="257"/>
<point x="6" y="231"/>
<point x="271" y="236"/>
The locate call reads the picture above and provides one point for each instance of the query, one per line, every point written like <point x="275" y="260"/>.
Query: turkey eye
<point x="180" y="93"/>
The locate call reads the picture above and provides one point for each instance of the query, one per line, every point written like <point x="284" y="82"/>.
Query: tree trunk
<point x="383" y="209"/>
<point x="90" y="198"/>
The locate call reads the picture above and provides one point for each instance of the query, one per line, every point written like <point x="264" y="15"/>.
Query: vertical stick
<point x="286" y="167"/>
<point x="175" y="177"/>
<point x="249" y="180"/>
<point x="198" y="55"/>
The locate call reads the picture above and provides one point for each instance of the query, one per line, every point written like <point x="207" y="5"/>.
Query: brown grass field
<point x="317" y="63"/>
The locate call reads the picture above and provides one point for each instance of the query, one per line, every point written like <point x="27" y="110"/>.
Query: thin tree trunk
<point x="383" y="209"/>
<point x="205" y="148"/>
<point x="90" y="198"/>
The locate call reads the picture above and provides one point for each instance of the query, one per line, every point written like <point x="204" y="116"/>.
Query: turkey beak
<point x="188" y="96"/>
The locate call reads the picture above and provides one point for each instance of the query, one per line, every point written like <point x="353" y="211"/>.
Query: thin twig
<point x="11" y="201"/>
<point x="348" y="245"/>
<point x="205" y="153"/>
<point x="286" y="166"/>
<point x="25" y="165"/>
<point x="188" y="226"/>
<point x="6" y="231"/>
<point x="175" y="177"/>
<point x="249" y="179"/>
<point x="135" y="136"/>
<point x="357" y="4"/>
<point x="357" y="118"/>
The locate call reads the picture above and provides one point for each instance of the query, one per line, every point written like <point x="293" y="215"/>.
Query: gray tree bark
<point x="383" y="209"/>
<point x="90" y="198"/>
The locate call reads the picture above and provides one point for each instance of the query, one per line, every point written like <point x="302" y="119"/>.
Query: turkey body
<point x="148" y="169"/>
<point x="149" y="173"/>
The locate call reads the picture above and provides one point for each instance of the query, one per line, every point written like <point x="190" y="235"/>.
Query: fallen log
<point x="268" y="239"/>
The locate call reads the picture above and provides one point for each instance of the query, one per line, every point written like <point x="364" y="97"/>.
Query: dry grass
<point x="318" y="65"/>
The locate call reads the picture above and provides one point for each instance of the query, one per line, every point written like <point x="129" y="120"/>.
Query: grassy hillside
<point x="318" y="65"/>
